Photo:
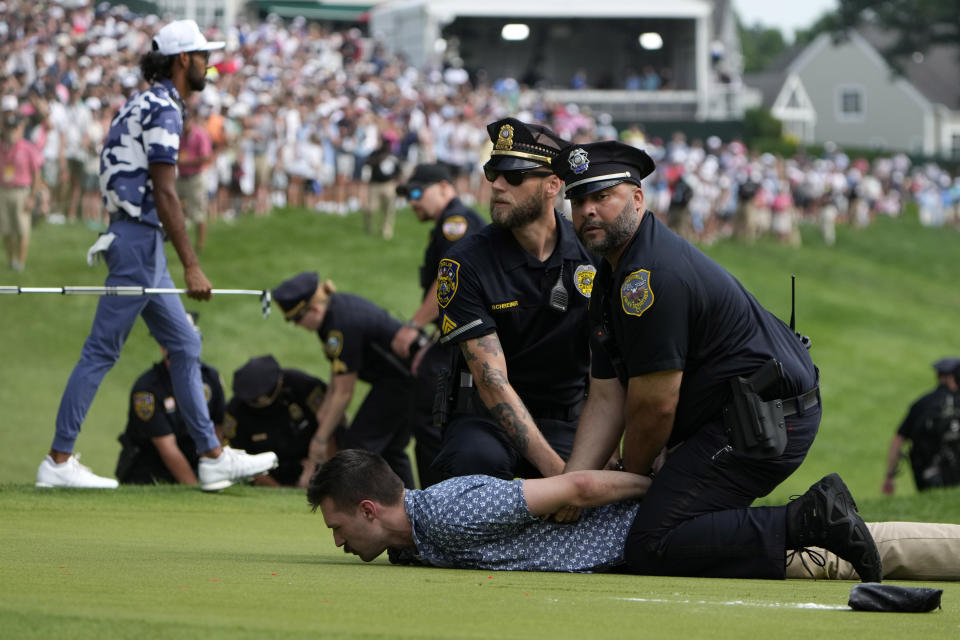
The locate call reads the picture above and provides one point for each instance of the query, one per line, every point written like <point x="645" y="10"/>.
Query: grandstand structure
<point x="695" y="49"/>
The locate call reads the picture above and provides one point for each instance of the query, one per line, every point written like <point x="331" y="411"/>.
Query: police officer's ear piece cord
<point x="559" y="298"/>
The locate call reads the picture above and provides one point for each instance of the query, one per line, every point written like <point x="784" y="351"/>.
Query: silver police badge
<point x="636" y="296"/>
<point x="583" y="279"/>
<point x="579" y="161"/>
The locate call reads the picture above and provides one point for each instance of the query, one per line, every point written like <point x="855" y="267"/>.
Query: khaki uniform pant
<point x="908" y="550"/>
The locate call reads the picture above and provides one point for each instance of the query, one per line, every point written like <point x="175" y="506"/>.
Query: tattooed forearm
<point x="494" y="378"/>
<point x="468" y="355"/>
<point x="490" y="344"/>
<point x="513" y="424"/>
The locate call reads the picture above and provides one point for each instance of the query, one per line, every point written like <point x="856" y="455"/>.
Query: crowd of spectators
<point x="294" y="111"/>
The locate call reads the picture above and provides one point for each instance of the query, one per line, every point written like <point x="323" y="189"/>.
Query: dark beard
<point x="616" y="233"/>
<point x="197" y="81"/>
<point x="522" y="214"/>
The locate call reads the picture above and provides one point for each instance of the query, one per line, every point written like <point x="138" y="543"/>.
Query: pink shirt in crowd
<point x="18" y="163"/>
<point x="196" y="144"/>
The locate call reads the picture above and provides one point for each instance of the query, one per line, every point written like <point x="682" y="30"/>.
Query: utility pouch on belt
<point x="128" y="455"/>
<point x="756" y="428"/>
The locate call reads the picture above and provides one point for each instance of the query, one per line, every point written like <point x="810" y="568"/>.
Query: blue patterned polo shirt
<point x="480" y="522"/>
<point x="146" y="130"/>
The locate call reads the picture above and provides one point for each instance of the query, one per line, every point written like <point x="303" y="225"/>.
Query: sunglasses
<point x="514" y="178"/>
<point x="415" y="194"/>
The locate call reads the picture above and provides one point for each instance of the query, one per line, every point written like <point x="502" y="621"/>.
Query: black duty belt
<point x="802" y="403"/>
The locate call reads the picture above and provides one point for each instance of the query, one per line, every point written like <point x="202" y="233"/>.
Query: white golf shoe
<point x="233" y="465"/>
<point x="71" y="474"/>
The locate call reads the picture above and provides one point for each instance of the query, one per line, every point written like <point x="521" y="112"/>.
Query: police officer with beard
<point x="513" y="297"/>
<point x="684" y="358"/>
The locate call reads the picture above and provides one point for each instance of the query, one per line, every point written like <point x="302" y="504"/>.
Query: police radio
<point x="804" y="340"/>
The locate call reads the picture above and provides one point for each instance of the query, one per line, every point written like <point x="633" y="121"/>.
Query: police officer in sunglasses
<point x="513" y="297"/>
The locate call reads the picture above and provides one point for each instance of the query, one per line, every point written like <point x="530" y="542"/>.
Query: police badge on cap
<point x="587" y="168"/>
<point x="518" y="145"/>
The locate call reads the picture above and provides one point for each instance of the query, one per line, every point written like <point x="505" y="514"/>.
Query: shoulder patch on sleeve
<point x="454" y="227"/>
<point x="229" y="426"/>
<point x="636" y="294"/>
<point x="447" y="279"/>
<point x="315" y="399"/>
<point x="144" y="404"/>
<point x="334" y="344"/>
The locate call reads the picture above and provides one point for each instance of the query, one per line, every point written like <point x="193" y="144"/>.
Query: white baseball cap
<point x="182" y="36"/>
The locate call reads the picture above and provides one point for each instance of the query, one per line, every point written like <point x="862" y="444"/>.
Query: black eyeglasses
<point x="514" y="178"/>
<point x="415" y="194"/>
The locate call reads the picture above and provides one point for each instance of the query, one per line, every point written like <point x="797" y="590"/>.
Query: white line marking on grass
<point x="742" y="603"/>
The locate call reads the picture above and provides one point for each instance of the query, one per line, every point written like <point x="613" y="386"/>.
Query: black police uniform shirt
<point x="488" y="283"/>
<point x="667" y="306"/>
<point x="356" y="336"/>
<point x="285" y="427"/>
<point x="927" y="406"/>
<point x="454" y="223"/>
<point x="154" y="413"/>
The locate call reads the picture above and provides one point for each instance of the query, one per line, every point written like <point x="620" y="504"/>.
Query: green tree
<point x="918" y="24"/>
<point x="760" y="45"/>
<point x="827" y="23"/>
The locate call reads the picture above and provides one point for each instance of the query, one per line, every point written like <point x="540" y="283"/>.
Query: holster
<point x="447" y="386"/>
<point x="756" y="428"/>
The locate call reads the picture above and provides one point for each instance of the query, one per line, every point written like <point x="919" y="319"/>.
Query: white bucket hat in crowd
<point x="182" y="36"/>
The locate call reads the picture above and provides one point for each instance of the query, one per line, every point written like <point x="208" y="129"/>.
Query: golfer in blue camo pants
<point x="137" y="179"/>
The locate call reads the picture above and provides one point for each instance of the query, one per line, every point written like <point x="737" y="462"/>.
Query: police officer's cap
<point x="423" y="176"/>
<point x="944" y="366"/>
<point x="518" y="145"/>
<point x="295" y="293"/>
<point x="586" y="168"/>
<point x="257" y="379"/>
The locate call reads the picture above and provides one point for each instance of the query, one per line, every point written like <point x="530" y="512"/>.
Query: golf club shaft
<point x="119" y="291"/>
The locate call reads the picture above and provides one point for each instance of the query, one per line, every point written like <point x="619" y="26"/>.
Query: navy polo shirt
<point x="455" y="222"/>
<point x="351" y="327"/>
<point x="488" y="283"/>
<point x="667" y="306"/>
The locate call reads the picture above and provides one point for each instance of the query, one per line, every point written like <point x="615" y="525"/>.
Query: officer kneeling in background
<point x="157" y="446"/>
<point x="274" y="409"/>
<point x="932" y="426"/>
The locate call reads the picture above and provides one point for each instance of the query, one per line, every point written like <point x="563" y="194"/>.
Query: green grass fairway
<point x="171" y="562"/>
<point x="881" y="306"/>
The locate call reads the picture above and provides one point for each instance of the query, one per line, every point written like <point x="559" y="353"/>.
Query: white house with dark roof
<point x="845" y="92"/>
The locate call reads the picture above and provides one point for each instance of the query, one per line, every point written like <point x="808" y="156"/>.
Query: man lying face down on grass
<point x="480" y="522"/>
